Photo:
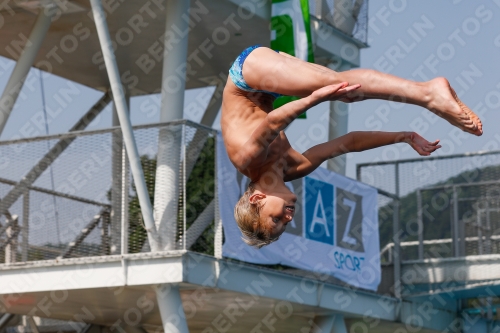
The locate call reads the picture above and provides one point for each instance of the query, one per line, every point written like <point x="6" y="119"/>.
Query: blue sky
<point x="461" y="41"/>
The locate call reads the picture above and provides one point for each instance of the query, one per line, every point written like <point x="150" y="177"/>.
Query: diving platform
<point x="217" y="294"/>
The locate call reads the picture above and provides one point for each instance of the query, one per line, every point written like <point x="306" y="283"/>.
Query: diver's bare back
<point x="242" y="112"/>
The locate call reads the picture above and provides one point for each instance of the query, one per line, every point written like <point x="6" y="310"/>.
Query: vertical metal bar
<point x="396" y="255"/>
<point x="488" y="233"/>
<point x="124" y="204"/>
<point x="12" y="234"/>
<point x="389" y="252"/>
<point x="119" y="212"/>
<point x="217" y="221"/>
<point x="24" y="63"/>
<point x="420" y="226"/>
<point x="397" y="241"/>
<point x="479" y="232"/>
<point x="358" y="172"/>
<point x="167" y="185"/>
<point x="184" y="197"/>
<point x="338" y="123"/>
<point x="122" y="108"/>
<point x="456" y="245"/>
<point x="116" y="187"/>
<point x="26" y="226"/>
<point x="105" y="219"/>
<point x="461" y="231"/>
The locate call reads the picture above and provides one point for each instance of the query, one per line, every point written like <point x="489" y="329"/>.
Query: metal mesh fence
<point x="73" y="195"/>
<point x="449" y="205"/>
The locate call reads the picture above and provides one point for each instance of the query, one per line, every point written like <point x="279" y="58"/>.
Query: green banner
<point x="291" y="33"/>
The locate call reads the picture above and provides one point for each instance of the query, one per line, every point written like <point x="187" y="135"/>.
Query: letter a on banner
<point x="291" y="33"/>
<point x="319" y="215"/>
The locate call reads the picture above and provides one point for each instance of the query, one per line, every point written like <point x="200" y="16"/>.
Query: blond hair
<point x="247" y="217"/>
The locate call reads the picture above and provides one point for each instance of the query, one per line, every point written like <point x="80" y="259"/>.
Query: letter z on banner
<point x="334" y="231"/>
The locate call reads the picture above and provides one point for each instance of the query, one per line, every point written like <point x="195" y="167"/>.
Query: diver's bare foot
<point x="445" y="103"/>
<point x="472" y="115"/>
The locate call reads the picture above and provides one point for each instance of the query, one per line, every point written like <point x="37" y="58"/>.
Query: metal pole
<point x="218" y="220"/>
<point x="105" y="239"/>
<point x="121" y="106"/>
<point x="358" y="172"/>
<point x="124" y="206"/>
<point x="420" y="226"/>
<point x="184" y="179"/>
<point x="24" y="63"/>
<point x="12" y="234"/>
<point x="338" y="125"/>
<point x="171" y="310"/>
<point x="4" y="320"/>
<point x="26" y="225"/>
<point x="488" y="233"/>
<point x="397" y="241"/>
<point x="479" y="232"/>
<point x="169" y="155"/>
<point x="117" y="170"/>
<point x="169" y="138"/>
<point x="456" y="247"/>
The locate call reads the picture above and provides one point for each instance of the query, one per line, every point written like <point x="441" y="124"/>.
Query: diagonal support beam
<point x="196" y="144"/>
<point x="199" y="225"/>
<point x="52" y="155"/>
<point x="4" y="319"/>
<point x="84" y="233"/>
<point x="126" y="126"/>
<point x="23" y="65"/>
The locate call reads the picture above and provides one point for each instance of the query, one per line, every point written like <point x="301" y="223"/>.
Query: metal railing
<point x="71" y="195"/>
<point x="457" y="195"/>
<point x="348" y="16"/>
<point x="440" y="207"/>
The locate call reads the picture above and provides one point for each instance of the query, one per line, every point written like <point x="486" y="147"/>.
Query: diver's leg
<point x="265" y="69"/>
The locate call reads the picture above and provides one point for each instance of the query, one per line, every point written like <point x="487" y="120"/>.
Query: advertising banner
<point x="334" y="230"/>
<point x="291" y="33"/>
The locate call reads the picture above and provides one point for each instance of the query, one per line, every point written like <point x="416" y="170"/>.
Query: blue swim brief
<point x="236" y="72"/>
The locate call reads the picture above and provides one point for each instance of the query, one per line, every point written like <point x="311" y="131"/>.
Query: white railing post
<point x="26" y="225"/>
<point x="420" y="225"/>
<point x="12" y="234"/>
<point x="184" y="180"/>
<point x="125" y="175"/>
<point x="217" y="221"/>
<point x="456" y="233"/>
<point x="397" y="241"/>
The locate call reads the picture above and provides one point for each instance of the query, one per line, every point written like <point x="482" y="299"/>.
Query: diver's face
<point x="277" y="210"/>
<point x="276" y="214"/>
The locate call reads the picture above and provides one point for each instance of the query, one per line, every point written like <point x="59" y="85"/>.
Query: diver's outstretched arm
<point x="356" y="142"/>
